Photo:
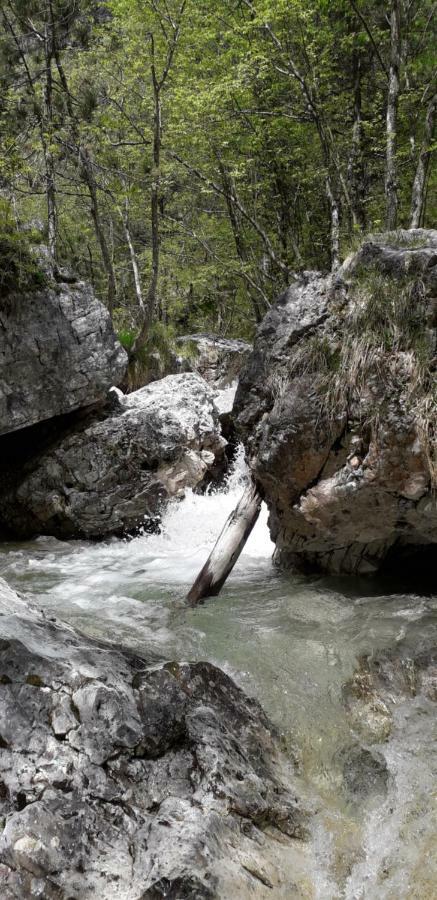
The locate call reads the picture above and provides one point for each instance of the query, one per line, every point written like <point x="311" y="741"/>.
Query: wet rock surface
<point x="112" y="473"/>
<point x="337" y="407"/>
<point x="125" y="778"/>
<point x="58" y="352"/>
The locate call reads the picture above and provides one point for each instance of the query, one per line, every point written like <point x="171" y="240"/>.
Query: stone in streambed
<point x="124" y="778"/>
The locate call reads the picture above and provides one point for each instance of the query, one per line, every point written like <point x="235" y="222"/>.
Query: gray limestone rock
<point x="219" y="360"/>
<point x="337" y="408"/>
<point x="124" y="778"/>
<point x="112" y="475"/>
<point x="58" y="353"/>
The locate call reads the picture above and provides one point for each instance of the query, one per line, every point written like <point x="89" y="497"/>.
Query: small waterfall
<point x="191" y="527"/>
<point x="105" y="579"/>
<point x="292" y="642"/>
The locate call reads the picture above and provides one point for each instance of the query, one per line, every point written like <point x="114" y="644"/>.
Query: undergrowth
<point x="19" y="269"/>
<point x="154" y="358"/>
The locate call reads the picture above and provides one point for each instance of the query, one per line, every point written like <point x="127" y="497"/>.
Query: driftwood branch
<point x="230" y="543"/>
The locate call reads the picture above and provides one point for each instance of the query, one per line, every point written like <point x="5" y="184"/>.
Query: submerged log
<point x="228" y="547"/>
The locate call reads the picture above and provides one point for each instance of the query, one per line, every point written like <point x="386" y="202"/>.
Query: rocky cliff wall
<point x="58" y="353"/>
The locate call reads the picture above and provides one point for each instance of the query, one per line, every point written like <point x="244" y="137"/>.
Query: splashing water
<point x="291" y="641"/>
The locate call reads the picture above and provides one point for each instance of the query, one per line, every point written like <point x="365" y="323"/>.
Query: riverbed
<point x="291" y="641"/>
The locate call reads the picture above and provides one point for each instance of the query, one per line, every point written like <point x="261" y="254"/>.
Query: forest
<point x="189" y="157"/>
<point x="218" y="450"/>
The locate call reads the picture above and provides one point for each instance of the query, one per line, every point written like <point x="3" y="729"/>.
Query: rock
<point x="393" y="674"/>
<point x="219" y="360"/>
<point x="58" y="353"/>
<point x="336" y="407"/>
<point x="113" y="475"/>
<point x="125" y="778"/>
<point x="381" y="682"/>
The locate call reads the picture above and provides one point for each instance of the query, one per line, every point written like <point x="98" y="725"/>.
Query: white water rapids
<point x="291" y="641"/>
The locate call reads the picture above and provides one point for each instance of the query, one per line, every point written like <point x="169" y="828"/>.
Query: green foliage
<point x="153" y="358"/>
<point x="19" y="269"/>
<point x="259" y="106"/>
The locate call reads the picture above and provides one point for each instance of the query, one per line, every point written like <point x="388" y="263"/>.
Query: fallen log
<point x="228" y="547"/>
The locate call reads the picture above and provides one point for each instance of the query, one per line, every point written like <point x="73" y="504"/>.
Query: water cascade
<point x="292" y="642"/>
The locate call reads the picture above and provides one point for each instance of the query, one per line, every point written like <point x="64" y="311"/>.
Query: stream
<point x="291" y="641"/>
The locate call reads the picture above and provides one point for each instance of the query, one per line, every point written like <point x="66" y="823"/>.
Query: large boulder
<point x="58" y="353"/>
<point x="337" y="408"/>
<point x="112" y="475"/>
<point x="124" y="778"/>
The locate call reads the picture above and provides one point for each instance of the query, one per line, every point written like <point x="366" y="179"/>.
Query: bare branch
<point x="370" y="36"/>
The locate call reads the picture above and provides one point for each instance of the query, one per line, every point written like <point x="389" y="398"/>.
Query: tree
<point x="191" y="157"/>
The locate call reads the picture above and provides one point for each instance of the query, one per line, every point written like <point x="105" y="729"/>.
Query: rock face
<point x="58" y="353"/>
<point x="121" y="778"/>
<point x="113" y="474"/>
<point x="337" y="408"/>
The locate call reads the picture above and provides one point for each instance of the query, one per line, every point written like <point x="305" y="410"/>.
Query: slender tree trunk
<point x="87" y="175"/>
<point x="422" y="170"/>
<point x="356" y="168"/>
<point x="335" y="225"/>
<point x="391" y="187"/>
<point x="49" y="161"/>
<point x="133" y="259"/>
<point x="151" y="306"/>
<point x="285" y="229"/>
<point x="88" y="178"/>
<point x="152" y="300"/>
<point x="228" y="547"/>
<point x="240" y="246"/>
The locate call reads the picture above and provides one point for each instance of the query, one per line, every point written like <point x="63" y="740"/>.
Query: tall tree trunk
<point x="356" y="167"/>
<point x="422" y="170"/>
<point x="151" y="304"/>
<point x="52" y="225"/>
<point x="87" y="172"/>
<point x="286" y="233"/>
<point x="229" y="191"/>
<point x="152" y="299"/>
<point x="335" y="225"/>
<point x="391" y="187"/>
<point x="133" y="258"/>
<point x="44" y="116"/>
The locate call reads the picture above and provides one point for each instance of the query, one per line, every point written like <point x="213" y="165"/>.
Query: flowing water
<point x="292" y="642"/>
